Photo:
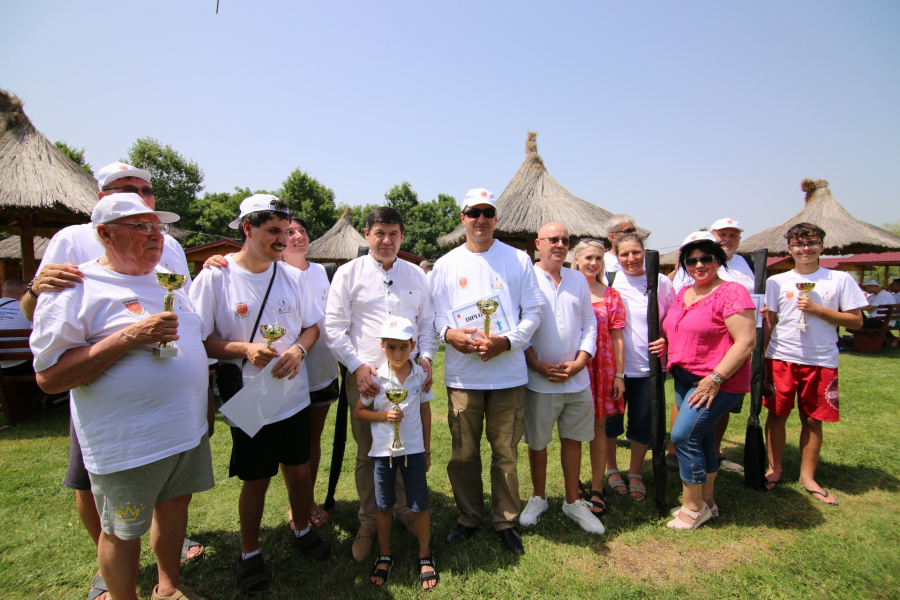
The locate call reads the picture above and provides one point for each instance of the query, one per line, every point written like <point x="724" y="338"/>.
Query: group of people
<point x="560" y="346"/>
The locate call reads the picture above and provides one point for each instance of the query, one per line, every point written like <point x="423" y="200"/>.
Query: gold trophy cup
<point x="805" y="288"/>
<point x="396" y="396"/>
<point x="487" y="308"/>
<point x="272" y="333"/>
<point x="171" y="282"/>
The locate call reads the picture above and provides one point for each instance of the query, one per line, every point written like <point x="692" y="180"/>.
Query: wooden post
<point x="26" y="238"/>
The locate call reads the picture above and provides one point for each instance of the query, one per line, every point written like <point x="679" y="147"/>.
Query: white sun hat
<point x="479" y="196"/>
<point x="698" y="236"/>
<point x="118" y="170"/>
<point x="725" y="224"/>
<point x="116" y="206"/>
<point x="256" y="203"/>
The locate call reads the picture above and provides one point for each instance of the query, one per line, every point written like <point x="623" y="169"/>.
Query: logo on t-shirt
<point x="241" y="309"/>
<point x="134" y="307"/>
<point x="789" y="295"/>
<point x="463" y="282"/>
<point x="284" y="306"/>
<point x="496" y="282"/>
<point x="323" y="293"/>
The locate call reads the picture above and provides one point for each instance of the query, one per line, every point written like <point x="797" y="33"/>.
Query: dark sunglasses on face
<point x="629" y="230"/>
<point x="705" y="260"/>
<point x="556" y="240"/>
<point x="474" y="213"/>
<point x="130" y="189"/>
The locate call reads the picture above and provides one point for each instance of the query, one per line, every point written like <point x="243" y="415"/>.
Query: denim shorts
<point x="413" y="468"/>
<point x="637" y="404"/>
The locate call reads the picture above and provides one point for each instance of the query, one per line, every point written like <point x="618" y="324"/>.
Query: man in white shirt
<point x="233" y="303"/>
<point x="616" y="227"/>
<point x="894" y="287"/>
<point x="878" y="296"/>
<point x="11" y="317"/>
<point x="485" y="375"/>
<point x="365" y="293"/>
<point x="802" y="358"/>
<point x="559" y="387"/>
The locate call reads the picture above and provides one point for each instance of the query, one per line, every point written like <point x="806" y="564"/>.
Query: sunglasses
<point x="556" y="240"/>
<point x="145" y="228"/>
<point x="629" y="230"/>
<point x="130" y="189"/>
<point x="705" y="260"/>
<point x="474" y="213"/>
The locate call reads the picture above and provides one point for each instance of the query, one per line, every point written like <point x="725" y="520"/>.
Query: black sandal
<point x="251" y="574"/>
<point x="384" y="574"/>
<point x="312" y="545"/>
<point x="601" y="504"/>
<point x="432" y="576"/>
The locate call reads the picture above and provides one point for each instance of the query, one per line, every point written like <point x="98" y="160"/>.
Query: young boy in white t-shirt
<point x="398" y="337"/>
<point x="802" y="359"/>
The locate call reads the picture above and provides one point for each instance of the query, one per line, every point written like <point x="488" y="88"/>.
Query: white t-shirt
<point x="568" y="325"/>
<point x="141" y="409"/>
<point x="79" y="244"/>
<point x="462" y="278"/>
<point x="12" y="317"/>
<point x="228" y="302"/>
<point x="881" y="298"/>
<point x="611" y="262"/>
<point x="411" y="435"/>
<point x="738" y="271"/>
<point x="321" y="366"/>
<point x="634" y="295"/>
<point x="817" y="345"/>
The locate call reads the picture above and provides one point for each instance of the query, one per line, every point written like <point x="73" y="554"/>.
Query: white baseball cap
<point x="256" y="203"/>
<point x="397" y="328"/>
<point x="118" y="170"/>
<point x="725" y="224"/>
<point x="478" y="196"/>
<point x="871" y="282"/>
<point x="116" y="206"/>
<point x="698" y="236"/>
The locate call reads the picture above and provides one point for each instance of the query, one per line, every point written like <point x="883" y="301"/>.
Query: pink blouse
<point x="698" y="337"/>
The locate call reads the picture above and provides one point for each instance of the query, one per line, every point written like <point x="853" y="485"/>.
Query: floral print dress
<point x="610" y="314"/>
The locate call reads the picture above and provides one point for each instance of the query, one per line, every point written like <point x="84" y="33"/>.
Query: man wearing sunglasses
<point x="485" y="375"/>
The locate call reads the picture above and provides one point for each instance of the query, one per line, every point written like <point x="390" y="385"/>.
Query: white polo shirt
<point x="363" y="296"/>
<point x="411" y="435"/>
<point x="738" y="271"/>
<point x="568" y="325"/>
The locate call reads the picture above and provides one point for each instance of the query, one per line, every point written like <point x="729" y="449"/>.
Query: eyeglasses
<point x="474" y="213"/>
<point x="145" y="228"/>
<point x="130" y="189"/>
<point x="705" y="260"/>
<point x="629" y="230"/>
<point x="556" y="240"/>
<point x="803" y="245"/>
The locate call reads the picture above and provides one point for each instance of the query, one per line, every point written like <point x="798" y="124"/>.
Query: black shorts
<point x="284" y="442"/>
<point x="77" y="477"/>
<point x="327" y="396"/>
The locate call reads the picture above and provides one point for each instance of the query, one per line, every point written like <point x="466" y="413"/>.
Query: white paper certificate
<point x="468" y="315"/>
<point x="259" y="400"/>
<point x="759" y="300"/>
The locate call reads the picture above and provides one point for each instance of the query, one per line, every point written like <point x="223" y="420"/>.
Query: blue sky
<point x="675" y="112"/>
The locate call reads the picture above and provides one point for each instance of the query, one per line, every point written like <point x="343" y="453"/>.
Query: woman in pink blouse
<point x="607" y="365"/>
<point x="711" y="333"/>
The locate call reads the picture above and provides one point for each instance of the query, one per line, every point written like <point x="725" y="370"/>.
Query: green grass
<point x="779" y="545"/>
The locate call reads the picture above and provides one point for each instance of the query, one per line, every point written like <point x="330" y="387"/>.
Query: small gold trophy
<point x="272" y="333"/>
<point x="171" y="282"/>
<point x="396" y="396"/>
<point x="487" y="308"/>
<point x="805" y="288"/>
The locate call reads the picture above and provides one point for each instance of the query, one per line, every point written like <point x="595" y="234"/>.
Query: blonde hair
<point x="584" y="244"/>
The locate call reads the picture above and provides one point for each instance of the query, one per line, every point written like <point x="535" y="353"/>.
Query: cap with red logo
<point x="118" y="170"/>
<point x="397" y="328"/>
<point x="116" y="206"/>
<point x="698" y="236"/>
<point x="479" y="196"/>
<point x="726" y="224"/>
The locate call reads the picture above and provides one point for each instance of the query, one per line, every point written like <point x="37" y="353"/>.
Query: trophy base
<point x="398" y="451"/>
<point x="165" y="352"/>
<point x="800" y="326"/>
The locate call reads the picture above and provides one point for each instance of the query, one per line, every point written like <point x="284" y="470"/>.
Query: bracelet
<point x="31" y="289"/>
<point x="302" y="350"/>
<point x="430" y="362"/>
<point x="717" y="378"/>
<point x="442" y="336"/>
<point x="620" y="376"/>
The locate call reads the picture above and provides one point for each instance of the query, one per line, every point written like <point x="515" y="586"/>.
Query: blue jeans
<point x="694" y="432"/>
<point x="637" y="403"/>
<point x="413" y="468"/>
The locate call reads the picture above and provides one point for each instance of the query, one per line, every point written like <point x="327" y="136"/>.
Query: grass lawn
<point x="783" y="544"/>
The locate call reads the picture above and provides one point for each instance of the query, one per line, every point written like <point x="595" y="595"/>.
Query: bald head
<point x="553" y="245"/>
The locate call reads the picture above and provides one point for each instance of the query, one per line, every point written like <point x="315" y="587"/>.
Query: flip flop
<point x="774" y="483"/>
<point x="98" y="587"/>
<point x="186" y="547"/>
<point x="824" y="496"/>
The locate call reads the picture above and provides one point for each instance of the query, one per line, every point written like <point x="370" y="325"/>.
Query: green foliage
<point x="402" y="198"/>
<point x="310" y="200"/>
<point x="427" y="222"/>
<point x="212" y="213"/>
<point x="76" y="154"/>
<point x="176" y="179"/>
<point x="893" y="227"/>
<point x="358" y="215"/>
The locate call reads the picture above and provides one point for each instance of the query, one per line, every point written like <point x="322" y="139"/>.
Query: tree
<point x="314" y="202"/>
<point x="77" y="156"/>
<point x="402" y="198"/>
<point x="358" y="215"/>
<point x="893" y="227"/>
<point x="176" y="180"/>
<point x="427" y="222"/>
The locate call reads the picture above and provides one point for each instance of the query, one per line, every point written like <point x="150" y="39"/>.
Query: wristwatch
<point x="442" y="336"/>
<point x="302" y="350"/>
<point x="717" y="378"/>
<point x="620" y="376"/>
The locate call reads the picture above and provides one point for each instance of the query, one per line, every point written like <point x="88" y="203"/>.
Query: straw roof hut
<point x="340" y="244"/>
<point x="845" y="235"/>
<point x="41" y="190"/>
<point x="534" y="198"/>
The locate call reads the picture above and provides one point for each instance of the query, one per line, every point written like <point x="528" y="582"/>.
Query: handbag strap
<point x="259" y="316"/>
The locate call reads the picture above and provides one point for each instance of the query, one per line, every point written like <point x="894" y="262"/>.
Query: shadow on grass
<point x="49" y="423"/>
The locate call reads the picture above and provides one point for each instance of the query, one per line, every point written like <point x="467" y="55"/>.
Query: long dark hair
<point x="708" y="247"/>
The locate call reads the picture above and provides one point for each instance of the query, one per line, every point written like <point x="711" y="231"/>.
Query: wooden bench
<point x="871" y="339"/>
<point x="20" y="396"/>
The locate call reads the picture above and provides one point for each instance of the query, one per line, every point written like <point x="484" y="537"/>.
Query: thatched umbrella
<point x="534" y="198"/>
<point x="340" y="244"/>
<point x="845" y="235"/>
<point x="41" y="189"/>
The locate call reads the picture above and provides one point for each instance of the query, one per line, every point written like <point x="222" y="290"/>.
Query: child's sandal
<point x="384" y="574"/>
<point x="433" y="575"/>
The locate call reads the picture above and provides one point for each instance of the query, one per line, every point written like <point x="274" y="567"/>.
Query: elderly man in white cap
<point x="878" y="296"/>
<point x="485" y="374"/>
<point x="140" y="419"/>
<point x="59" y="269"/>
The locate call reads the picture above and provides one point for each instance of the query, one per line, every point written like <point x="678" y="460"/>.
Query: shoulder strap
<point x="10" y="301"/>
<point x="262" y="306"/>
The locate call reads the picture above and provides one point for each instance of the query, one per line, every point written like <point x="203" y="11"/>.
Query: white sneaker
<point x="535" y="508"/>
<point x="580" y="512"/>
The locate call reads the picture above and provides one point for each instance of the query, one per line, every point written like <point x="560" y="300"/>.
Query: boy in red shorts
<point x="802" y="353"/>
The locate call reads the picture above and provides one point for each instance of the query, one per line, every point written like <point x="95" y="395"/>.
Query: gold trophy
<point x="396" y="396"/>
<point x="171" y="282"/>
<point x="487" y="308"/>
<point x="272" y="333"/>
<point x="805" y="287"/>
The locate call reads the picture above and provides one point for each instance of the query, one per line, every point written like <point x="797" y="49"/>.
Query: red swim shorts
<point x="816" y="388"/>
